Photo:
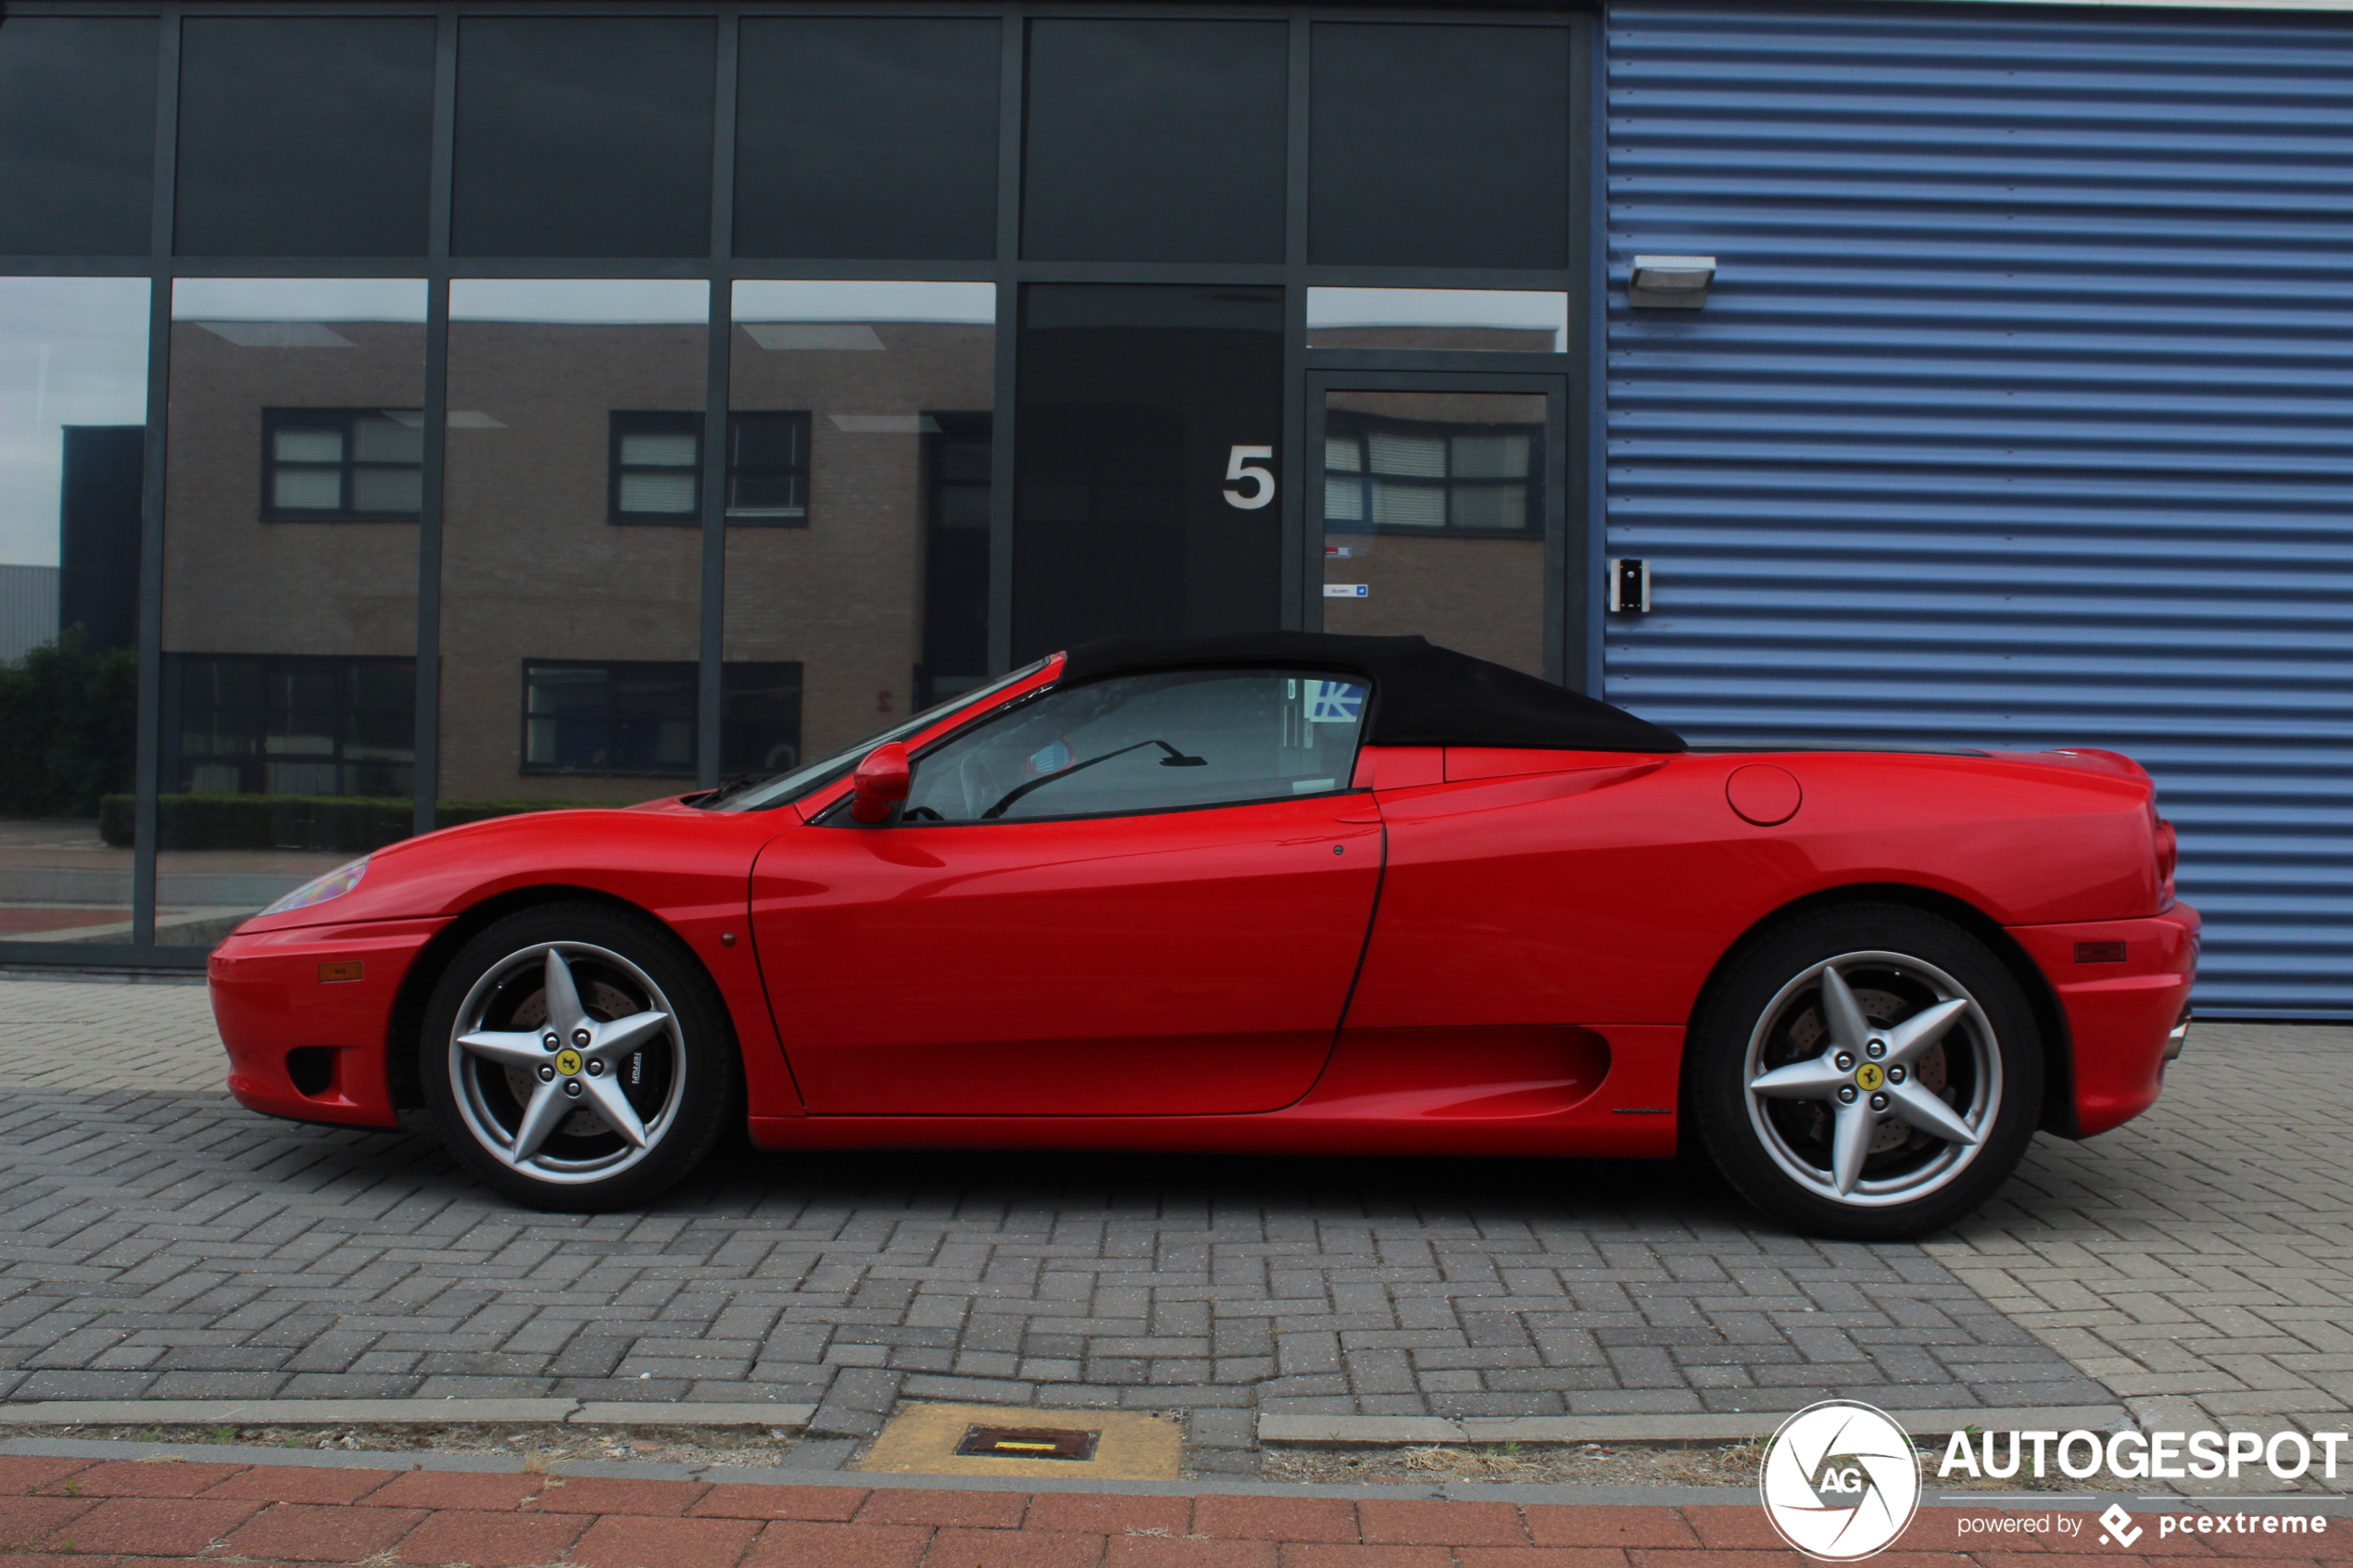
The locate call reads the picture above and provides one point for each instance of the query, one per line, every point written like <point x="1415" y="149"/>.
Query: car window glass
<point x="1147" y="743"/>
<point x="816" y="775"/>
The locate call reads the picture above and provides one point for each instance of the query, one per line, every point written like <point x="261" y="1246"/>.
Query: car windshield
<point x="787" y="787"/>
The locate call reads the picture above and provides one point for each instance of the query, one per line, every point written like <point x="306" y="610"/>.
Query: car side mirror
<point x="880" y="782"/>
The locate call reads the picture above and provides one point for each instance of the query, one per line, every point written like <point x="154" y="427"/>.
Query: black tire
<point x="1771" y="1008"/>
<point x="681" y="1077"/>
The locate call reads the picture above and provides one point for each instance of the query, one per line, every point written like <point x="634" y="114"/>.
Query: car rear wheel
<point x="1868" y="1072"/>
<point x="578" y="1059"/>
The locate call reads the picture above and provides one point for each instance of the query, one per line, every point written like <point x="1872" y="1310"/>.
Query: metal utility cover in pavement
<point x="997" y="1440"/>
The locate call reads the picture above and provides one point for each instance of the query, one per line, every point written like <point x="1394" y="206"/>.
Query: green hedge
<point x="348" y="822"/>
<point x="67" y="727"/>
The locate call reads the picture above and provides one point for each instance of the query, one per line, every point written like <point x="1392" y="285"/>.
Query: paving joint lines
<point x="1375" y="1431"/>
<point x="393" y="1412"/>
<point x="163" y="1245"/>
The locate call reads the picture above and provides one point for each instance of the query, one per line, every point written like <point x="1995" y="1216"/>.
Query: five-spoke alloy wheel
<point x="577" y="1059"/>
<point x="1868" y="1072"/>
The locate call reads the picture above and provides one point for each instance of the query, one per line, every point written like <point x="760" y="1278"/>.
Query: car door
<point x="1144" y="895"/>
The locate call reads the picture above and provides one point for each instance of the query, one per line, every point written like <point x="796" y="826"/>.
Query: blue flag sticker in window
<point x="1334" y="702"/>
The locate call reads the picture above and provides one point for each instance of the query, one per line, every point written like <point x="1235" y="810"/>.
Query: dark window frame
<point x="740" y="679"/>
<point x="274" y="420"/>
<point x="801" y="472"/>
<point x="611" y="716"/>
<point x="624" y="422"/>
<point x="253" y="764"/>
<point x="1361" y="427"/>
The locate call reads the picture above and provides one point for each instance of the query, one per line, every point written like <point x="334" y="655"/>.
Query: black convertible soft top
<point x="1423" y="694"/>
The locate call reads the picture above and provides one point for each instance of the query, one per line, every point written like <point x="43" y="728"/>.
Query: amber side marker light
<point x="350" y="969"/>
<point x="1028" y="1442"/>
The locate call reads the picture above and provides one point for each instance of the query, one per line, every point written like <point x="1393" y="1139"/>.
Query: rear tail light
<point x="2168" y="855"/>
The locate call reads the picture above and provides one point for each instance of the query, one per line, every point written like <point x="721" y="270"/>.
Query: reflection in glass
<point x="1523" y="322"/>
<point x="868" y="136"/>
<point x="1137" y="402"/>
<point x="304" y="135"/>
<point x="583" y="137"/>
<point x="1433" y="509"/>
<point x="1147" y="743"/>
<point x="1155" y="139"/>
<point x="77" y="135"/>
<point x="73" y="411"/>
<point x="296" y="467"/>
<point x="1444" y="145"/>
<point x="571" y="542"/>
<point x="857" y="480"/>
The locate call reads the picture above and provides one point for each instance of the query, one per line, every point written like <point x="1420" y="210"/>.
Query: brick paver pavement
<point x="93" y="1514"/>
<point x="2199" y="1261"/>
<point x="167" y="1244"/>
<point x="159" y="1241"/>
<point x="100" y="1034"/>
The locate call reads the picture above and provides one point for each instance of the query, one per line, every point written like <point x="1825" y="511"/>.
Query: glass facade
<point x="513" y="411"/>
<point x="857" y="511"/>
<point x="571" y="568"/>
<point x="1433" y="521"/>
<point x="1133" y="398"/>
<point x="293" y="487"/>
<point x="73" y="418"/>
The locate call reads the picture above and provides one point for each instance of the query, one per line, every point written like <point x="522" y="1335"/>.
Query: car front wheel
<point x="1870" y="1072"/>
<point x="576" y="1058"/>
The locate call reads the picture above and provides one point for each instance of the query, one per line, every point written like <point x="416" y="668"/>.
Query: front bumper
<point x="306" y="1013"/>
<point x="2124" y="986"/>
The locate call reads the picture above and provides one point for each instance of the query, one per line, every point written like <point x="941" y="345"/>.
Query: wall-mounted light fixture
<point x="1671" y="282"/>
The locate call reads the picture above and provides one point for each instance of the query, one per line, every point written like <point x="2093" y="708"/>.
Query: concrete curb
<point x="1381" y="1431"/>
<point x="1364" y="1431"/>
<point x="2335" y="1504"/>
<point x="394" y="1413"/>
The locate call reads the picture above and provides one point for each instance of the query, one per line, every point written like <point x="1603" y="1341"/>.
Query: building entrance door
<point x="1438" y="504"/>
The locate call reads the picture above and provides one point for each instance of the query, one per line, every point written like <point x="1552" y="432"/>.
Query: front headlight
<point x="319" y="889"/>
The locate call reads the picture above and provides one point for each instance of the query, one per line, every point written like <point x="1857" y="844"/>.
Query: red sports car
<point x="1281" y="892"/>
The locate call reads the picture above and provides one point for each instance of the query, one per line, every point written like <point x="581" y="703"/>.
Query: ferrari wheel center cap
<point x="1870" y="1075"/>
<point x="568" y="1063"/>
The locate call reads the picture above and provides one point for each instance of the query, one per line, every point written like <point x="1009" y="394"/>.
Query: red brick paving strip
<point x="153" y="1526"/>
<point x="647" y="1541"/>
<point x="144" y="1514"/>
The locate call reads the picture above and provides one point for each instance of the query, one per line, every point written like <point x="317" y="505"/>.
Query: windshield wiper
<point x="1175" y="758"/>
<point x="729" y="789"/>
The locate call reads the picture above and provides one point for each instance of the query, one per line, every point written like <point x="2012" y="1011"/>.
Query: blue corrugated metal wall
<point x="2021" y="413"/>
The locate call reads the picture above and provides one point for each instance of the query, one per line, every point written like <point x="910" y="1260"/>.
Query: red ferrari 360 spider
<point x="1277" y="893"/>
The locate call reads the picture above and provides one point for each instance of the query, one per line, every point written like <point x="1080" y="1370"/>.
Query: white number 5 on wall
<point x="1238" y="466"/>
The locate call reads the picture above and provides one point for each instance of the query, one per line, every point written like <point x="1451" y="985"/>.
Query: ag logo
<point x="1840" y="1481"/>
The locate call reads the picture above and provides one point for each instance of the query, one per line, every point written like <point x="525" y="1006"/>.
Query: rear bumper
<point x="2121" y="1010"/>
<point x="278" y="993"/>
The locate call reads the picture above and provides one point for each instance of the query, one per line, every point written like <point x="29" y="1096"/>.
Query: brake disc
<point x="604" y="1000"/>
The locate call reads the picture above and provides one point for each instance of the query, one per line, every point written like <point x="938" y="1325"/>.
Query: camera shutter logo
<point x="1840" y="1480"/>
